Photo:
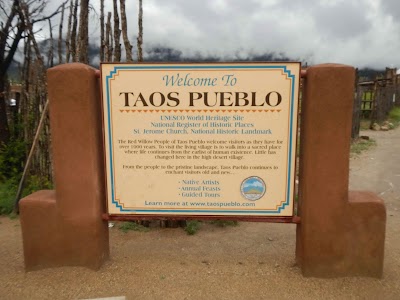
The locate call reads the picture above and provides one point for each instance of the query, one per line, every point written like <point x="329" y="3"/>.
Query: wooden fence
<point x="374" y="99"/>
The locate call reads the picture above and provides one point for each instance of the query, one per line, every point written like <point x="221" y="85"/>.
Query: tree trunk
<point x="128" y="46"/>
<point x="29" y="29"/>
<point x="102" y="42"/>
<point x="4" y="130"/>
<point x="50" y="57"/>
<point x="140" y="36"/>
<point x="68" y="39"/>
<point x="25" y="109"/>
<point x="109" y="39"/>
<point x="73" y="32"/>
<point x="60" y="58"/>
<point x="5" y="61"/>
<point x="84" y="32"/>
<point x="117" y="34"/>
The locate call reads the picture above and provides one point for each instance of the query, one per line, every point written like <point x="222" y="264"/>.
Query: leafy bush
<point x="192" y="227"/>
<point x="127" y="226"/>
<point x="224" y="223"/>
<point x="36" y="183"/>
<point x="360" y="145"/>
<point x="394" y="116"/>
<point x="8" y="190"/>
<point x="12" y="158"/>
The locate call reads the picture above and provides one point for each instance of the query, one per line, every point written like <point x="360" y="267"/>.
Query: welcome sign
<point x="200" y="139"/>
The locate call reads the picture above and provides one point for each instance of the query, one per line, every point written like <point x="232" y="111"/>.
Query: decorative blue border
<point x="200" y="67"/>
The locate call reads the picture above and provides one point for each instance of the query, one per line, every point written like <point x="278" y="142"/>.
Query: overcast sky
<point x="362" y="33"/>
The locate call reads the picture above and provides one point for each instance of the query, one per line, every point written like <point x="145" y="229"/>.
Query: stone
<point x="384" y="128"/>
<point x="376" y="127"/>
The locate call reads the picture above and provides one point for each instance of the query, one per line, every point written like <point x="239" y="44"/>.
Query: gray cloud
<point x="357" y="32"/>
<point x="392" y="8"/>
<point x="342" y="20"/>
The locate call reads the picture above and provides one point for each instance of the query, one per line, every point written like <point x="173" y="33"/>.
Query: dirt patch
<point x="249" y="261"/>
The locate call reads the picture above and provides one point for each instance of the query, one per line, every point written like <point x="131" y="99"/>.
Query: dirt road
<point x="250" y="261"/>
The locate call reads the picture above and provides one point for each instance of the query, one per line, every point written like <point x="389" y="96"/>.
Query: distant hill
<point x="159" y="53"/>
<point x="167" y="54"/>
<point x="369" y="74"/>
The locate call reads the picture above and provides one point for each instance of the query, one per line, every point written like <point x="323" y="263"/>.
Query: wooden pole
<point x="60" y="30"/>
<point x="124" y="27"/>
<point x="102" y="31"/>
<point x="83" y="37"/>
<point x="140" y="36"/>
<point x="68" y="39"/>
<point x="28" y="161"/>
<point x="117" y="34"/>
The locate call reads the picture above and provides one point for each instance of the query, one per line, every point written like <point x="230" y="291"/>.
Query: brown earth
<point x="250" y="261"/>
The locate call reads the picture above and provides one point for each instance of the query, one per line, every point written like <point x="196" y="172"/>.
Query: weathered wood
<point x="83" y="38"/>
<point x="117" y="34"/>
<point x="102" y="41"/>
<point x="355" y="129"/>
<point x="140" y="35"/>
<point x="378" y="97"/>
<point x="60" y="33"/>
<point x="68" y="39"/>
<point x="73" y="32"/>
<point x="50" y="55"/>
<point x="128" y="46"/>
<point x="109" y="39"/>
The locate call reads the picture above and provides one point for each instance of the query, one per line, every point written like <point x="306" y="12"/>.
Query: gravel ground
<point x="249" y="261"/>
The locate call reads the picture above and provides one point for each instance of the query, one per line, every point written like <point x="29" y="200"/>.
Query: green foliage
<point x="13" y="216"/>
<point x="36" y="183"/>
<point x="394" y="116"/>
<point x="127" y="226"/>
<point x="8" y="190"/>
<point x="365" y="124"/>
<point x="192" y="227"/>
<point x="224" y="223"/>
<point x="12" y="158"/>
<point x="361" y="145"/>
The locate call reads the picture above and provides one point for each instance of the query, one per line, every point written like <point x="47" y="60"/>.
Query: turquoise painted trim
<point x="200" y="67"/>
